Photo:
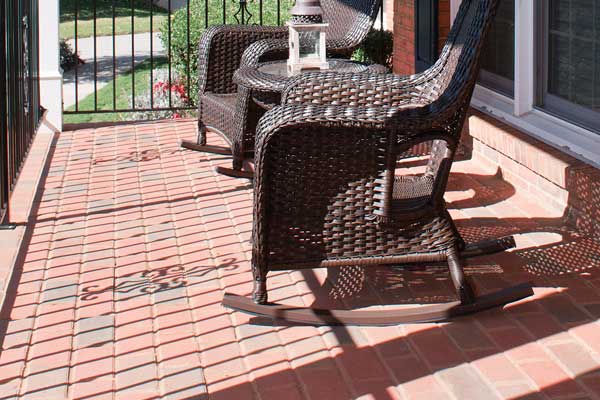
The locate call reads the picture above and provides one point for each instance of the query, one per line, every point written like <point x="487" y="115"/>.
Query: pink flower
<point x="176" y="88"/>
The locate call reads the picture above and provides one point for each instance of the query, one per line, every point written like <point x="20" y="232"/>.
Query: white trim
<point x="454" y="5"/>
<point x="524" y="56"/>
<point x="569" y="138"/>
<point x="50" y="74"/>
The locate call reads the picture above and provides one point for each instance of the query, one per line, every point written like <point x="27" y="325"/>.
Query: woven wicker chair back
<point x="450" y="88"/>
<point x="350" y="20"/>
<point x="455" y="73"/>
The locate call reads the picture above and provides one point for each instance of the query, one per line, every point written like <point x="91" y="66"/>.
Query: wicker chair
<point x="328" y="188"/>
<point x="232" y="113"/>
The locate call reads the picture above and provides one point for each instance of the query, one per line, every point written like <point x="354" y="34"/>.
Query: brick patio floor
<point x="134" y="242"/>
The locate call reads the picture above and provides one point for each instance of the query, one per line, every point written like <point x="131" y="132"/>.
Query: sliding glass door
<point x="569" y="60"/>
<point x="498" y="57"/>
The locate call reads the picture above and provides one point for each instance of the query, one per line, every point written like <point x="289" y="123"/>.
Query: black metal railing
<point x="19" y="92"/>
<point x="126" y="42"/>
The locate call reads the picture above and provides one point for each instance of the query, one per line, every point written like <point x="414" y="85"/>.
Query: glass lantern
<point x="308" y="50"/>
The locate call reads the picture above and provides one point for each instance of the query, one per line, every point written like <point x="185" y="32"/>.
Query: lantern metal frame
<point x="307" y="17"/>
<point x="296" y="62"/>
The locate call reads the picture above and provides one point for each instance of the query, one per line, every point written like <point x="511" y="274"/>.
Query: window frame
<point x="496" y="82"/>
<point x="546" y="101"/>
<point x="522" y="111"/>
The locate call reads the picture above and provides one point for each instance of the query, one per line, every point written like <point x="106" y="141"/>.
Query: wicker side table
<point x="268" y="80"/>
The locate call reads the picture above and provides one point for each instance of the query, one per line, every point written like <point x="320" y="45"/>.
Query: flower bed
<point x="165" y="94"/>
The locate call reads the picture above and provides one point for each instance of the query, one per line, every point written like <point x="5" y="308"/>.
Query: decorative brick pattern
<point x="134" y="242"/>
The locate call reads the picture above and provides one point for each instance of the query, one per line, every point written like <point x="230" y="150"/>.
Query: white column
<point x="454" y="5"/>
<point x="524" y="56"/>
<point x="50" y="71"/>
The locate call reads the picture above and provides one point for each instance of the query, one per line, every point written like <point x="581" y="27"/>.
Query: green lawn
<point x="123" y="85"/>
<point x="104" y="17"/>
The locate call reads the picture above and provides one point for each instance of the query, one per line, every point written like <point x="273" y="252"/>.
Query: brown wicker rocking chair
<point x="328" y="192"/>
<point x="223" y="49"/>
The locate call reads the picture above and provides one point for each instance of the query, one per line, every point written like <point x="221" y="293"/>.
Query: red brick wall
<point x="444" y="21"/>
<point x="404" y="37"/>
<point x="404" y="33"/>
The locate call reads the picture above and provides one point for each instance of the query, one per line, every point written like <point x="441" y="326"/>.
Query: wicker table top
<point x="273" y="76"/>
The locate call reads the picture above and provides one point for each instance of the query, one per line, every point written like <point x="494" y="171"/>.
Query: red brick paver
<point x="135" y="241"/>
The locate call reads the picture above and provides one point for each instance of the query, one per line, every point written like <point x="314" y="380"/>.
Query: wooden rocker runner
<point x="331" y="190"/>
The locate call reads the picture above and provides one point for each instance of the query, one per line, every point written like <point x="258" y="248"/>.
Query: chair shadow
<point x="569" y="262"/>
<point x="527" y="322"/>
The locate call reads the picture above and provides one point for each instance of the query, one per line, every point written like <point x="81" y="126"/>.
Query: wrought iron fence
<point x="129" y="46"/>
<point x="19" y="92"/>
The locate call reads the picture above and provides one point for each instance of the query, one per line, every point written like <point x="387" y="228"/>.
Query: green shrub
<point x="377" y="48"/>
<point x="180" y="47"/>
<point x="68" y="58"/>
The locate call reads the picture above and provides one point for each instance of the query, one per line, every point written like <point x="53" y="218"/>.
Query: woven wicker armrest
<point x="407" y="120"/>
<point x="221" y="51"/>
<point x="265" y="50"/>
<point x="327" y="116"/>
<point x="352" y="89"/>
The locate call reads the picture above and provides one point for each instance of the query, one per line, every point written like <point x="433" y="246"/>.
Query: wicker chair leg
<point x="237" y="170"/>
<point x="460" y="242"/>
<point x="462" y="285"/>
<point x="259" y="293"/>
<point x="235" y="173"/>
<point x="201" y="133"/>
<point x="238" y="157"/>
